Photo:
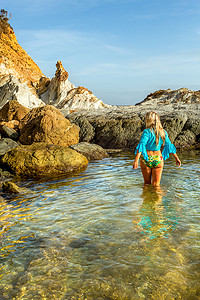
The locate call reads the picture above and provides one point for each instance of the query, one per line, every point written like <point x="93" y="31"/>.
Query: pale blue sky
<point x="121" y="50"/>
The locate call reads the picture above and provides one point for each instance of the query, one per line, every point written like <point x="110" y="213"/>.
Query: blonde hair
<point x="153" y="122"/>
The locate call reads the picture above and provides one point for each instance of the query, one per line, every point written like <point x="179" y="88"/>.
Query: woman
<point x="152" y="161"/>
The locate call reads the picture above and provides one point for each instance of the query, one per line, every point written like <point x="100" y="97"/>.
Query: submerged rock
<point x="40" y="159"/>
<point x="47" y="124"/>
<point x="4" y="174"/>
<point x="11" y="188"/>
<point x="91" y="151"/>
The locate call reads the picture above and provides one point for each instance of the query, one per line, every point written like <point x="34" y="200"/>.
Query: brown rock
<point x="11" y="188"/>
<point x="14" y="124"/>
<point x="90" y="151"/>
<point x="47" y="124"/>
<point x="61" y="74"/>
<point x="13" y="110"/>
<point x="40" y="159"/>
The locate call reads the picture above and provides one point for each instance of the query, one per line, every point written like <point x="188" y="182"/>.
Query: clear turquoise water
<point x="102" y="235"/>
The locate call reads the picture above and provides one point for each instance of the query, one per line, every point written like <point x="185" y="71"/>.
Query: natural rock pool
<point x="102" y="235"/>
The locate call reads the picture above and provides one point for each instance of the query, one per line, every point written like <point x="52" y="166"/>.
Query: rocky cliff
<point x="22" y="80"/>
<point x="13" y="58"/>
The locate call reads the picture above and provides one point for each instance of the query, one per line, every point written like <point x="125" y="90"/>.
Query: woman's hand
<point x="135" y="164"/>
<point x="178" y="162"/>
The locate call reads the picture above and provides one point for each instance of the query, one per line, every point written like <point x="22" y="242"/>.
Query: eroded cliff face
<point x="14" y="60"/>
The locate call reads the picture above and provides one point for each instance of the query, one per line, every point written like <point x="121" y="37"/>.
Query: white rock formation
<point x="64" y="95"/>
<point x="12" y="89"/>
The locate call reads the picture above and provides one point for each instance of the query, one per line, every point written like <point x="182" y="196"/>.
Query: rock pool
<point x="102" y="235"/>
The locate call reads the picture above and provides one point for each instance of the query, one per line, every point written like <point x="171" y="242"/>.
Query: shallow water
<point x="102" y="235"/>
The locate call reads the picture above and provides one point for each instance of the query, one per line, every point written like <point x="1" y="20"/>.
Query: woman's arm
<point x="135" y="163"/>
<point x="178" y="162"/>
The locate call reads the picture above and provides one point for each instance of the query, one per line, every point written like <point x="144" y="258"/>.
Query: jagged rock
<point x="64" y="95"/>
<point x="9" y="132"/>
<point x="7" y="144"/>
<point x="40" y="159"/>
<point x="11" y="188"/>
<point x="58" y="88"/>
<point x="47" y="124"/>
<point x="13" y="110"/>
<point x="90" y="151"/>
<point x="12" y="89"/>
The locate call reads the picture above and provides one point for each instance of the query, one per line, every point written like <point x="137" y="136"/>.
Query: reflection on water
<point x="103" y="235"/>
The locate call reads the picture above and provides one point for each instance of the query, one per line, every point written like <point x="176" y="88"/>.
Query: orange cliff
<point x="13" y="59"/>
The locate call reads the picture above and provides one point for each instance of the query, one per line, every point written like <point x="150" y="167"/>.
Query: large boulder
<point x="91" y="151"/>
<point x="40" y="159"/>
<point x="47" y="124"/>
<point x="109" y="129"/>
<point x="13" y="110"/>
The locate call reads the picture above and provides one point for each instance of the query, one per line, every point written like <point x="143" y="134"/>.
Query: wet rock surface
<point x="11" y="188"/>
<point x="91" y="151"/>
<point x="40" y="159"/>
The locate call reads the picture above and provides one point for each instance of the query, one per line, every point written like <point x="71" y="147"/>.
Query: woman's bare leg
<point x="156" y="174"/>
<point x="146" y="172"/>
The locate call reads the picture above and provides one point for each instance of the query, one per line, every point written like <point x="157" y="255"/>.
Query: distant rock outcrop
<point x="166" y="97"/>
